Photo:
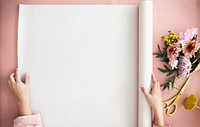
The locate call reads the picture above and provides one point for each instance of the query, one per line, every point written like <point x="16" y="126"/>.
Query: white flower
<point x="173" y="63"/>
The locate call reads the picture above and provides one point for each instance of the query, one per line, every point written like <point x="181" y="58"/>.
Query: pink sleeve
<point x="28" y="121"/>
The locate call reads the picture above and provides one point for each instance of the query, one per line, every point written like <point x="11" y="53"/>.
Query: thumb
<point x="27" y="79"/>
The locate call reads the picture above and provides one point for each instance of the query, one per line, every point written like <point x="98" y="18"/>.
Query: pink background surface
<point x="175" y="15"/>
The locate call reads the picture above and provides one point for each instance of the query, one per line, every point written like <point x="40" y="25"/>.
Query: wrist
<point x="24" y="107"/>
<point x="158" y="118"/>
<point x="23" y="102"/>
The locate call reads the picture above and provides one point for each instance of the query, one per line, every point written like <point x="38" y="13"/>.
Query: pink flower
<point x="190" y="48"/>
<point x="173" y="51"/>
<point x="184" y="66"/>
<point x="188" y="34"/>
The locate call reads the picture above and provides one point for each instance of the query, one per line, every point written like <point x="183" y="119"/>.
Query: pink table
<point x="173" y="15"/>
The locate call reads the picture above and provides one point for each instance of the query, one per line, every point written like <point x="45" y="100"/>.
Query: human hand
<point x="21" y="91"/>
<point x="154" y="98"/>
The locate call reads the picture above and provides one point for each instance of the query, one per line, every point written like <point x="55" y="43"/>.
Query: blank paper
<point x="82" y="61"/>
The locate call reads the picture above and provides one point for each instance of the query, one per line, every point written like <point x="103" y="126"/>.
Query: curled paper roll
<point x="145" y="59"/>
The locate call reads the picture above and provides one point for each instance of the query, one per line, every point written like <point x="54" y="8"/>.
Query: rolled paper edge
<point x="145" y="60"/>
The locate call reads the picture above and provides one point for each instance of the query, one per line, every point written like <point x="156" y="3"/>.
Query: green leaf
<point x="198" y="54"/>
<point x="169" y="83"/>
<point x="159" y="48"/>
<point x="170" y="73"/>
<point x="165" y="86"/>
<point x="162" y="70"/>
<point x="167" y="70"/>
<point x="162" y="54"/>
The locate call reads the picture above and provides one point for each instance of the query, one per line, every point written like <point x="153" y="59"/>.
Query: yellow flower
<point x="166" y="40"/>
<point x="171" y="38"/>
<point x="176" y="36"/>
<point x="191" y="102"/>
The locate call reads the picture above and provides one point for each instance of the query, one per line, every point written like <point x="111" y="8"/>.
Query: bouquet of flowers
<point x="181" y="52"/>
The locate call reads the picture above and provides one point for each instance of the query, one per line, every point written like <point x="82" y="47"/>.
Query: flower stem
<point x="176" y="88"/>
<point x="197" y="107"/>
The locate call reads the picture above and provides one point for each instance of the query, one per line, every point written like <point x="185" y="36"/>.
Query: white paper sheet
<point x="82" y="60"/>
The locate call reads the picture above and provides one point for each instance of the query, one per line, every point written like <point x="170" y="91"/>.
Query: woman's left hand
<point x="21" y="91"/>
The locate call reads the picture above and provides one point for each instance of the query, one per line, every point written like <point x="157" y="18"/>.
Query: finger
<point x="154" y="82"/>
<point x="17" y="77"/>
<point x="10" y="86"/>
<point x="27" y="79"/>
<point x="9" y="83"/>
<point x="153" y="78"/>
<point x="146" y="94"/>
<point x="12" y="79"/>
